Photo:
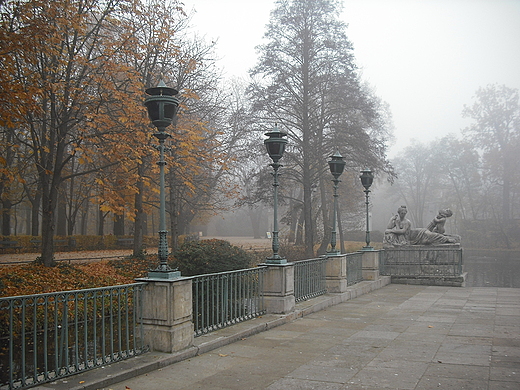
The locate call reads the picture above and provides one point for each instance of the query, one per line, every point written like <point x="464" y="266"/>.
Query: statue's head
<point x="446" y="212"/>
<point x="402" y="211"/>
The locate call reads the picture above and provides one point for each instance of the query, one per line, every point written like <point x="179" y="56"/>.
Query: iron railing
<point x="354" y="268"/>
<point x="309" y="278"/>
<point x="226" y="298"/>
<point x="48" y="336"/>
<point x="435" y="261"/>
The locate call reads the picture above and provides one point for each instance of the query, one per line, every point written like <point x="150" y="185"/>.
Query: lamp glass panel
<point x="153" y="110"/>
<point x="169" y="110"/>
<point x="366" y="179"/>
<point x="336" y="167"/>
<point x="274" y="149"/>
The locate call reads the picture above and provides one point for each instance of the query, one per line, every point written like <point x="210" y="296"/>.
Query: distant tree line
<point x="477" y="175"/>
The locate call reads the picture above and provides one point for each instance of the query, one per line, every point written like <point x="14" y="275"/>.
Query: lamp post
<point x="162" y="107"/>
<point x="275" y="146"/>
<point x="336" y="165"/>
<point x="367" y="178"/>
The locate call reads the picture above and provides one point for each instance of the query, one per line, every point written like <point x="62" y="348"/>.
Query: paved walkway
<point x="397" y="337"/>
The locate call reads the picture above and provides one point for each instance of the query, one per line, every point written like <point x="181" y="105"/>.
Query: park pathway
<point x="397" y="337"/>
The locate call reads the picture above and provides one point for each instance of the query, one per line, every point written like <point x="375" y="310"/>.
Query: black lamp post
<point x="336" y="165"/>
<point x="367" y="178"/>
<point x="275" y="146"/>
<point x="162" y="107"/>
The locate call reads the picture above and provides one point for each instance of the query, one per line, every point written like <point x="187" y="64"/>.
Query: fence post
<point x="370" y="261"/>
<point x="167" y="314"/>
<point x="279" y="288"/>
<point x="336" y="273"/>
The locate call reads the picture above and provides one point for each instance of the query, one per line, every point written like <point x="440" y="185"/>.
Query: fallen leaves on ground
<point x="35" y="278"/>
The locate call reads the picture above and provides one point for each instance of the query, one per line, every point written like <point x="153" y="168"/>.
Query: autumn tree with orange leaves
<point x="73" y="74"/>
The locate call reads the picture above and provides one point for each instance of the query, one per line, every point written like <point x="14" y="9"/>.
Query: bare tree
<point x="496" y="129"/>
<point x="306" y="81"/>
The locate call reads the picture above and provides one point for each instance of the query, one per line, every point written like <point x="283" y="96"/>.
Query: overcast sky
<point x="426" y="58"/>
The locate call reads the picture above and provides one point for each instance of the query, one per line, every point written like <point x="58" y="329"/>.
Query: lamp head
<point x="161" y="105"/>
<point x="336" y="165"/>
<point x="275" y="144"/>
<point x="367" y="178"/>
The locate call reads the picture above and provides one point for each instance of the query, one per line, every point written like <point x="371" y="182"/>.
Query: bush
<point x="209" y="256"/>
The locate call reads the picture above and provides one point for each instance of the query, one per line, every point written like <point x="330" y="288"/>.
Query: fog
<point x="425" y="58"/>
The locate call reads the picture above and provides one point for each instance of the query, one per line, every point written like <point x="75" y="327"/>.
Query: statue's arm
<point x="391" y="224"/>
<point x="406" y="226"/>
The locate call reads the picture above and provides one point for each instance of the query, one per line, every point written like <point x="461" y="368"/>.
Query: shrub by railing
<point x="226" y="298"/>
<point x="44" y="337"/>
<point x="354" y="268"/>
<point x="309" y="278"/>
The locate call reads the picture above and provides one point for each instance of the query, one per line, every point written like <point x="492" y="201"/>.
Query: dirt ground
<point x="243" y="242"/>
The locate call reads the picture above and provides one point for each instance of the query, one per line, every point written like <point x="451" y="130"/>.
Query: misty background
<point x="424" y="93"/>
<point x="427" y="60"/>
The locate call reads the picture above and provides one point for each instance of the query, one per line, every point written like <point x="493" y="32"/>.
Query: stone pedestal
<point x="336" y="273"/>
<point x="167" y="314"/>
<point x="279" y="288"/>
<point x="370" y="265"/>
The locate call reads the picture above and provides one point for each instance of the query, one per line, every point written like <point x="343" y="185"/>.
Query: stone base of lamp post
<point x="336" y="273"/>
<point x="279" y="288"/>
<point x="168" y="275"/>
<point x="167" y="314"/>
<point x="370" y="261"/>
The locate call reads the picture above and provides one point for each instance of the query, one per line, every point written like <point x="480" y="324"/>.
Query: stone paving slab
<point x="397" y="337"/>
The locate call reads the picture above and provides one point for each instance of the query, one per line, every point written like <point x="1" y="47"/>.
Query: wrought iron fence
<point x="44" y="337"/>
<point x="226" y="298"/>
<point x="354" y="268"/>
<point x="435" y="261"/>
<point x="309" y="278"/>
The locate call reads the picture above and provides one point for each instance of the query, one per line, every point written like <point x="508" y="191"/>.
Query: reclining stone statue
<point x="399" y="231"/>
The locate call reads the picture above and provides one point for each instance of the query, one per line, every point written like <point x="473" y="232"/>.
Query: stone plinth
<point x="167" y="314"/>
<point x="336" y="273"/>
<point x="434" y="265"/>
<point x="279" y="288"/>
<point x="370" y="261"/>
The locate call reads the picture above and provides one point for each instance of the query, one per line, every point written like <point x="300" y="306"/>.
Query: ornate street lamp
<point x="162" y="107"/>
<point x="336" y="165"/>
<point x="275" y="146"/>
<point x="367" y="178"/>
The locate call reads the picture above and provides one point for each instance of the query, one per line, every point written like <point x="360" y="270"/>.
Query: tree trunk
<point x="506" y="189"/>
<point x="307" y="148"/>
<point x="174" y="215"/>
<point x="101" y="222"/>
<point x="84" y="218"/>
<point x="255" y="216"/>
<point x="49" y="201"/>
<point x="119" y="225"/>
<point x="35" y="211"/>
<point x="61" y="213"/>
<point x="27" y="219"/>
<point x="300" y="228"/>
<point x="327" y="220"/>
<point x="293" y="222"/>
<point x="7" y="207"/>
<point x="340" y="230"/>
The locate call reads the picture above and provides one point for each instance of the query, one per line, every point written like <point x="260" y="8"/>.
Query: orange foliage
<point x="36" y="278"/>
